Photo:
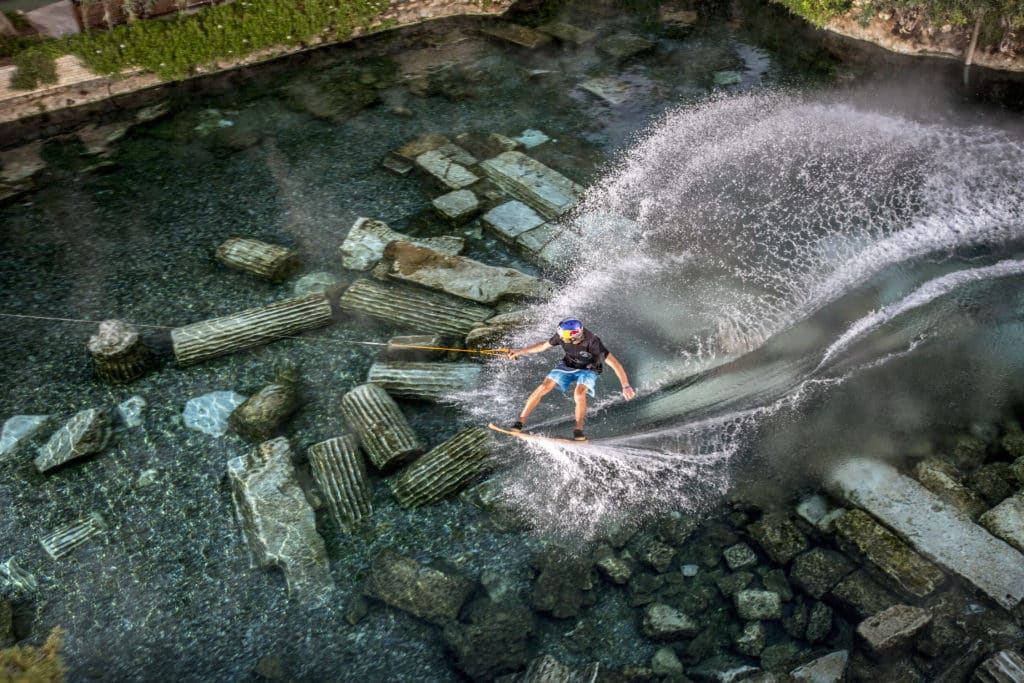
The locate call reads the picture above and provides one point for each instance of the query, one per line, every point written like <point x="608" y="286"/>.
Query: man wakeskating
<point x="584" y="359"/>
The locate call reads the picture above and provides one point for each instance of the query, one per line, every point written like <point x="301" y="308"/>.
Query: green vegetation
<point x="176" y="47"/>
<point x="938" y="12"/>
<point x="27" y="664"/>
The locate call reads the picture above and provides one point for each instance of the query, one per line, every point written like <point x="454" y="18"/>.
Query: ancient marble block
<point x="1006" y="520"/>
<point x="460" y="276"/>
<point x="458" y="206"/>
<point x="549" y="192"/>
<point x="268" y="261"/>
<point x="938" y="531"/>
<point x="413" y="308"/>
<point x="424" y="381"/>
<point x="68" y="537"/>
<point x="251" y="327"/>
<point x="364" y="245"/>
<point x="893" y="628"/>
<point x="446" y="170"/>
<point x="341" y="475"/>
<point x="445" y="469"/>
<point x="433" y="594"/>
<point x="117" y="351"/>
<point x="383" y="431"/>
<point x="278" y="524"/>
<point x="86" y="433"/>
<point x="894" y="558"/>
<point x="511" y="219"/>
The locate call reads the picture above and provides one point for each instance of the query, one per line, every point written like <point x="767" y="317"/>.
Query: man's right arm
<point x="536" y="348"/>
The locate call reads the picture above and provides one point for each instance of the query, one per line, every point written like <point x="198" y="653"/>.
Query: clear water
<point x="803" y="250"/>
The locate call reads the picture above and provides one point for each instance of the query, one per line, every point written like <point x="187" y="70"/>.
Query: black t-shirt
<point x="589" y="354"/>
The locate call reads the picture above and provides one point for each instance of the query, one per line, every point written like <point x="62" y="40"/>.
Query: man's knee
<point x="580" y="394"/>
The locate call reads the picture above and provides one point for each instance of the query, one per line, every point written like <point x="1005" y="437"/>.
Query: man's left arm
<point x="620" y="372"/>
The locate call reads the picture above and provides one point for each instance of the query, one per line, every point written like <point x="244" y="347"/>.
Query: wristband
<point x="626" y="386"/>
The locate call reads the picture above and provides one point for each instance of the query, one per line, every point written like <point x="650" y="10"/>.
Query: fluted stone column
<point x="251" y="327"/>
<point x="383" y="431"/>
<point x="68" y="537"/>
<point x="413" y="308"/>
<point x="424" y="381"/>
<point x="118" y="352"/>
<point x="444" y="470"/>
<point x="268" y="261"/>
<point x="341" y="475"/>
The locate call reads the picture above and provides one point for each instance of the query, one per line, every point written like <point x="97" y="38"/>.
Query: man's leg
<point x="542" y="390"/>
<point x="580" y="395"/>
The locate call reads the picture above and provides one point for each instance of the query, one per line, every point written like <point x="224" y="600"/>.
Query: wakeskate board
<point x="534" y="437"/>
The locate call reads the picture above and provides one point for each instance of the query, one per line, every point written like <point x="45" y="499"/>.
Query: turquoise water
<point x="289" y="152"/>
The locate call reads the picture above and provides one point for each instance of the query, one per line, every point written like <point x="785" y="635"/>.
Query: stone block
<point x="614" y="91"/>
<point x="894" y="559"/>
<point x="511" y="219"/>
<point x="661" y="622"/>
<point x="460" y="276"/>
<point x="939" y="532"/>
<point x="739" y="556"/>
<point x="862" y="595"/>
<point x="549" y="192"/>
<point x="432" y="593"/>
<point x="1005" y="666"/>
<point x="87" y="433"/>
<point x="754" y="605"/>
<point x="818" y="570"/>
<point x="1006" y="521"/>
<point x="830" y="668"/>
<point x="447" y="172"/>
<point x="778" y="537"/>
<point x="364" y="246"/>
<point x="278" y="523"/>
<point x="943" y="479"/>
<point x="457" y="207"/>
<point x="752" y="639"/>
<point x="893" y="629"/>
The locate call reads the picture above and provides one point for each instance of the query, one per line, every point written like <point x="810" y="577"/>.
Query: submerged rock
<point x="364" y="245"/>
<point x="278" y="524"/>
<point x="625" y="45"/>
<point x="87" y="433"/>
<point x="778" y="537"/>
<point x="567" y="33"/>
<point x="130" y="411"/>
<point x="493" y="641"/>
<point x="260" y="415"/>
<point x="435" y="594"/>
<point x="315" y="283"/>
<point x="209" y="413"/>
<point x="828" y="669"/>
<point x="19" y="429"/>
<point x="517" y="34"/>
<point x="818" y="570"/>
<point x="863" y="595"/>
<point x="564" y="584"/>
<point x="662" y="622"/>
<point x="1006" y="521"/>
<point x="549" y="192"/>
<point x="16" y="584"/>
<point x="755" y="605"/>
<point x="893" y="628"/>
<point x="460" y="276"/>
<point x="458" y="206"/>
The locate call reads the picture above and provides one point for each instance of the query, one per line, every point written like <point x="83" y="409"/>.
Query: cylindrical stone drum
<point x="383" y="431"/>
<point x="117" y="352"/>
<point x="268" y="261"/>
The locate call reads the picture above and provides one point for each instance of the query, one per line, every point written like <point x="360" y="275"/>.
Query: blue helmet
<point x="570" y="329"/>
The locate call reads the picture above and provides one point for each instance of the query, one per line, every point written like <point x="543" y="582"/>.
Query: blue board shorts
<point x="566" y="378"/>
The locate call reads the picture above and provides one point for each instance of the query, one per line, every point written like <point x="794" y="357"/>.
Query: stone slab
<point x="452" y="175"/>
<point x="460" y="276"/>
<point x="1006" y="521"/>
<point x="512" y="219"/>
<point x="935" y="529"/>
<point x="546" y="190"/>
<point x="364" y="245"/>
